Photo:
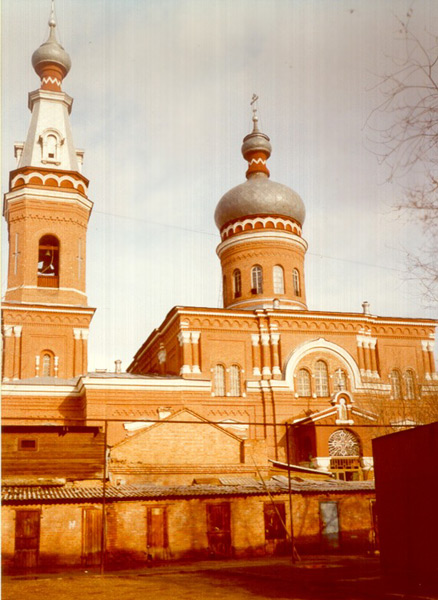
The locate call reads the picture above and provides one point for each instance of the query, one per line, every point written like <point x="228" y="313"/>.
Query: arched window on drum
<point x="237" y="283"/>
<point x="296" y="282"/>
<point x="257" y="279"/>
<point x="278" y="277"/>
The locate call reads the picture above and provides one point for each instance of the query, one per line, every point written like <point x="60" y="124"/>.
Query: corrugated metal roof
<point x="277" y="485"/>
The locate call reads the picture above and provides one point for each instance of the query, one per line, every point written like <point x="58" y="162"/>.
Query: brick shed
<point x="62" y="525"/>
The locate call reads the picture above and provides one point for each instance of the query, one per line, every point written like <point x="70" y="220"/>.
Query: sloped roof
<point x="277" y="485"/>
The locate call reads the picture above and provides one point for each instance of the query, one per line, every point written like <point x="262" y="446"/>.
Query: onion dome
<point x="258" y="195"/>
<point x="50" y="60"/>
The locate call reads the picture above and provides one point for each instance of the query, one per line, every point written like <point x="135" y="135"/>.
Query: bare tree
<point x="406" y="127"/>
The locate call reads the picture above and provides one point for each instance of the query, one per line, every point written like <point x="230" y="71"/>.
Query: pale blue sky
<point x="162" y="91"/>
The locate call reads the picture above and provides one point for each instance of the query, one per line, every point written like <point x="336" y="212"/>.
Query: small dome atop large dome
<point x="259" y="196"/>
<point x="51" y="52"/>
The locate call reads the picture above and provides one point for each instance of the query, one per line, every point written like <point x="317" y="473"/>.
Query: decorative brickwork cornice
<point x="58" y="178"/>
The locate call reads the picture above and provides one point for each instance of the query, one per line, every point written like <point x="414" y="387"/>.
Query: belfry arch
<point x="327" y="347"/>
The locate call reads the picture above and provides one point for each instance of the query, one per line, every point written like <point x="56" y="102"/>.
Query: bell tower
<point x="45" y="314"/>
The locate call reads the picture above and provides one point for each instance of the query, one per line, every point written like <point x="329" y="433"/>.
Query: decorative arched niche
<point x="326" y="348"/>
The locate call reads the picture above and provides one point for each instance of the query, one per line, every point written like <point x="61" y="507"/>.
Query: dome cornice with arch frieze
<point x="257" y="222"/>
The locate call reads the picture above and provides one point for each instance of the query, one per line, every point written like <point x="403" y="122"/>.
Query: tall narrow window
<point x="396" y="390"/>
<point x="303" y="383"/>
<point x="51" y="146"/>
<point x="296" y="282"/>
<point x="47" y="365"/>
<point x="321" y="379"/>
<point x="257" y="280"/>
<point x="219" y="380"/>
<point x="410" y="385"/>
<point x="237" y="282"/>
<point x="278" y="275"/>
<point x="48" y="261"/>
<point x="224" y="289"/>
<point x="340" y="380"/>
<point x="235" y="385"/>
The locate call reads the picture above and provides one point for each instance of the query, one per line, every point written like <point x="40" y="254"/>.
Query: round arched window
<point x="343" y="443"/>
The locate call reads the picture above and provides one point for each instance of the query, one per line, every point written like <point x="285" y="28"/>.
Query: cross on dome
<point x="256" y="148"/>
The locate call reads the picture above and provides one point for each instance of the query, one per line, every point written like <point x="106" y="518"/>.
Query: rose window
<point x="343" y="443"/>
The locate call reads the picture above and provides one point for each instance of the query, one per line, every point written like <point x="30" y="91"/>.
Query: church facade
<point x="241" y="391"/>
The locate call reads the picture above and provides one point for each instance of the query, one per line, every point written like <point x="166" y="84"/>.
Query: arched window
<point x="224" y="288"/>
<point x="47" y="370"/>
<point x="257" y="280"/>
<point x="51" y="146"/>
<point x="345" y="452"/>
<point x="410" y="385"/>
<point x="396" y="389"/>
<point x="321" y="379"/>
<point x="237" y="282"/>
<point x="303" y="383"/>
<point x="48" y="261"/>
<point x="51" y="142"/>
<point x="343" y="443"/>
<point x="219" y="380"/>
<point x="340" y="380"/>
<point x="278" y="276"/>
<point x="296" y="282"/>
<point x="235" y="385"/>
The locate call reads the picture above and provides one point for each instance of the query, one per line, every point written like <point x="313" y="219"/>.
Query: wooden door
<point x="157" y="538"/>
<point x="329" y="520"/>
<point x="91" y="536"/>
<point x="27" y="538"/>
<point x="219" y="529"/>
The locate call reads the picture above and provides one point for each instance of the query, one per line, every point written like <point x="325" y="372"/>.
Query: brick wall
<point x="62" y="527"/>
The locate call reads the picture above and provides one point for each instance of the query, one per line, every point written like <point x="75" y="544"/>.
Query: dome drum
<point x="258" y="268"/>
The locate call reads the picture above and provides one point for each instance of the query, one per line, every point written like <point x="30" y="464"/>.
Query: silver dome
<point x="259" y="196"/>
<point x="51" y="51"/>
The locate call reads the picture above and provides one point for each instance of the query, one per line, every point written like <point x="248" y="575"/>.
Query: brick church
<point x="213" y="395"/>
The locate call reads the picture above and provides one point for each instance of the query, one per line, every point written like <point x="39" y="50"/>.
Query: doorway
<point x="157" y="536"/>
<point x="91" y="536"/>
<point x="219" y="529"/>
<point x="27" y="538"/>
<point x="329" y="524"/>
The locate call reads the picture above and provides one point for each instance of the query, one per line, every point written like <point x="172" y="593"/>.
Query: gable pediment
<point x="184" y="437"/>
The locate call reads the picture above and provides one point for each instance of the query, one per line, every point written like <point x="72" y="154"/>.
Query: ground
<point x="316" y="578"/>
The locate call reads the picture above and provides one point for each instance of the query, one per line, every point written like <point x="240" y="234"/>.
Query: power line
<point x="68" y="422"/>
<point x="215" y="235"/>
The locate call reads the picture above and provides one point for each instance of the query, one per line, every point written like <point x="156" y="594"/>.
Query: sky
<point x="162" y="92"/>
